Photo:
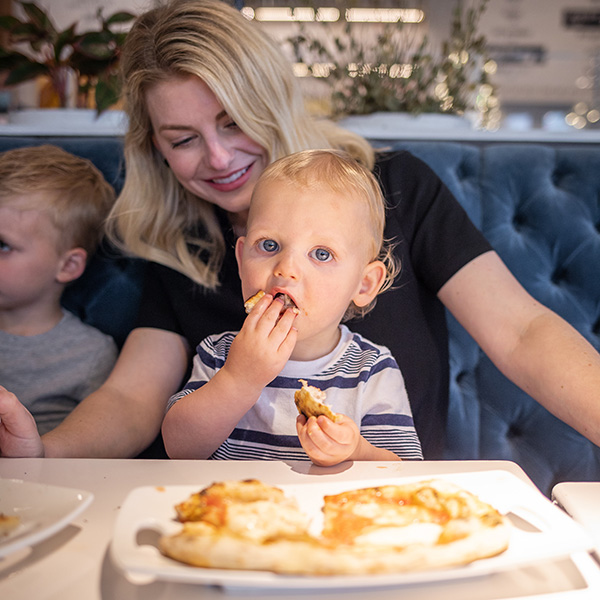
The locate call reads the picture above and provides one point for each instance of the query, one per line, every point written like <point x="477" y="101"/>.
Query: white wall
<point x="569" y="52"/>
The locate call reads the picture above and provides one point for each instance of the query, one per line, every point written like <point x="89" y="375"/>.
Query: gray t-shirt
<point x="52" y="372"/>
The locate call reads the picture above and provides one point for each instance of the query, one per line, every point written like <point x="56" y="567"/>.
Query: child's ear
<point x="370" y="284"/>
<point x="72" y="265"/>
<point x="239" y="249"/>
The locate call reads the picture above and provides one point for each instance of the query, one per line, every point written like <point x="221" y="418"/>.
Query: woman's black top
<point x="434" y="239"/>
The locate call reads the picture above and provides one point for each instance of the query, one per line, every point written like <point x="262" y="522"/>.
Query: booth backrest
<point x="539" y="206"/>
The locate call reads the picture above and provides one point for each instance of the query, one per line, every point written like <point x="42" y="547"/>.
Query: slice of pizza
<point x="249" y="508"/>
<point x="287" y="302"/>
<point x="430" y="513"/>
<point x="310" y="402"/>
<point x="8" y="523"/>
<point x="252" y="301"/>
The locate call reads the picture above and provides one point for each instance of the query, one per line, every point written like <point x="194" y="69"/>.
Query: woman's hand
<point x="19" y="436"/>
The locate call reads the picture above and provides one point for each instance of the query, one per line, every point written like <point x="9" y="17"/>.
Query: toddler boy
<point x="314" y="243"/>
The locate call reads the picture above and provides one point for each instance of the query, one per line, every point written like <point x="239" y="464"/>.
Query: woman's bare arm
<point x="124" y="415"/>
<point x="530" y="344"/>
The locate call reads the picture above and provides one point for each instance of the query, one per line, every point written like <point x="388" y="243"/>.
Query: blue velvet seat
<point x="539" y="206"/>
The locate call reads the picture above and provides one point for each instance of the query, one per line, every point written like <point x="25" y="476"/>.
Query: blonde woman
<point x="211" y="103"/>
<point x="300" y="249"/>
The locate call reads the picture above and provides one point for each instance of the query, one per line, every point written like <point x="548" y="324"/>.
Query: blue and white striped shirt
<point x="361" y="379"/>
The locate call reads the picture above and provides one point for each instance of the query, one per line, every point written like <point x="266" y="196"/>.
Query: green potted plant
<point x="397" y="70"/>
<point x="89" y="58"/>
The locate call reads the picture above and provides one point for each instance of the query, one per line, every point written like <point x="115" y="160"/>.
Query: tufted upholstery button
<point x="559" y="275"/>
<point x="518" y="221"/>
<point x="557" y="176"/>
<point x="464" y="170"/>
<point x="513" y="432"/>
<point x="460" y="377"/>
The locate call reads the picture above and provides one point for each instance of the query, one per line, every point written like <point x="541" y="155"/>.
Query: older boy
<point x="52" y="208"/>
<point x="314" y="243"/>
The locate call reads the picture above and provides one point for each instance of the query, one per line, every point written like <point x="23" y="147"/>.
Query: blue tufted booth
<point x="539" y="205"/>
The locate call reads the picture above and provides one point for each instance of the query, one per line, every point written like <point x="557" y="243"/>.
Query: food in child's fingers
<point x="252" y="301"/>
<point x="287" y="302"/>
<point x="310" y="402"/>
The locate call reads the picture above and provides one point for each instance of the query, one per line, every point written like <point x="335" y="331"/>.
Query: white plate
<point x="540" y="531"/>
<point x="581" y="499"/>
<point x="42" y="509"/>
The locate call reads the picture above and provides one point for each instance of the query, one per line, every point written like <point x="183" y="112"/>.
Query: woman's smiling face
<point x="207" y="152"/>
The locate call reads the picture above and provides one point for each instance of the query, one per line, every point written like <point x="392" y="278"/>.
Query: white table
<point x="75" y="563"/>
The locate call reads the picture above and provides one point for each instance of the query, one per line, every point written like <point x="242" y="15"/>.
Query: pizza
<point x="252" y="301"/>
<point x="411" y="527"/>
<point x="310" y="402"/>
<point x="8" y="523"/>
<point x="287" y="302"/>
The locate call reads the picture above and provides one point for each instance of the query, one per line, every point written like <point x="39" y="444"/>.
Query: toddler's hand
<point x="328" y="443"/>
<point x="264" y="343"/>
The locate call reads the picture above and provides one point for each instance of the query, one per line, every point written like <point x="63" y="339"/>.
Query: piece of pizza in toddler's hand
<point x="253" y="301"/>
<point x="249" y="525"/>
<point x="310" y="402"/>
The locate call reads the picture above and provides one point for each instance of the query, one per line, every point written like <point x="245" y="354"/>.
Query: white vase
<point x="388" y="125"/>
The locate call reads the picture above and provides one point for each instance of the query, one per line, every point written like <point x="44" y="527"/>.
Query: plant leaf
<point x="39" y="18"/>
<point x="108" y="90"/>
<point x="119" y="17"/>
<point x="7" y="22"/>
<point x="26" y="72"/>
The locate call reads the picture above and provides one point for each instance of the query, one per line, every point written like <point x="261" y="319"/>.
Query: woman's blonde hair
<point x="155" y="217"/>
<point x="338" y="171"/>
<point x="69" y="189"/>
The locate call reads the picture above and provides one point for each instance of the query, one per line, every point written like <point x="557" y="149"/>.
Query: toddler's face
<point x="311" y="244"/>
<point x="29" y="257"/>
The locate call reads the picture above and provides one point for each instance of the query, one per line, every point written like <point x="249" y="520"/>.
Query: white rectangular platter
<point x="539" y="531"/>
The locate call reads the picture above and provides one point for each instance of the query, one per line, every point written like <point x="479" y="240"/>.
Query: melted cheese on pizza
<point x="248" y="509"/>
<point x="397" y="515"/>
<point x="8" y="523"/>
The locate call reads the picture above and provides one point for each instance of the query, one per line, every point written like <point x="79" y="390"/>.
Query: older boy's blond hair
<point x="342" y="174"/>
<point x="76" y="197"/>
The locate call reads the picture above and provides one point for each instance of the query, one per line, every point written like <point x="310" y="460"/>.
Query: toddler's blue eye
<point x="269" y="245"/>
<point x="321" y="255"/>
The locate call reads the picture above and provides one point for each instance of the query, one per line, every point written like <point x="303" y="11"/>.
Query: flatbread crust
<point x="456" y="528"/>
<point x="252" y="301"/>
<point x="8" y="523"/>
<point x="310" y="402"/>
